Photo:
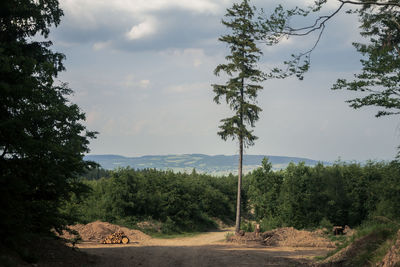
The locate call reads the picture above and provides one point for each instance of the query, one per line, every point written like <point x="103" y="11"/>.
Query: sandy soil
<point x="207" y="249"/>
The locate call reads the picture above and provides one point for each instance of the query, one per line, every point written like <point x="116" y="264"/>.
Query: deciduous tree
<point x="378" y="81"/>
<point x="42" y="138"/>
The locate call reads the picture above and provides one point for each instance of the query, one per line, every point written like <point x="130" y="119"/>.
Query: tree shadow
<point x="209" y="255"/>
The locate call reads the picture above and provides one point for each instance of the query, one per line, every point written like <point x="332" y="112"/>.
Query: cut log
<point x="116" y="238"/>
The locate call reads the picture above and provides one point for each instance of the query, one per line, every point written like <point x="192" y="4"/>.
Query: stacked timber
<point x="116" y="238"/>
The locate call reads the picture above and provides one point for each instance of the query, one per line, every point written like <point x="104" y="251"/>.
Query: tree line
<point x="300" y="196"/>
<point x="308" y="197"/>
<point x="179" y="201"/>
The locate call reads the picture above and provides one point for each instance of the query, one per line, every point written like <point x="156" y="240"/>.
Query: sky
<point x="142" y="72"/>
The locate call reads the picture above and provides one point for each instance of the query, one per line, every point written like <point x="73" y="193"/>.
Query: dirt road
<point x="207" y="249"/>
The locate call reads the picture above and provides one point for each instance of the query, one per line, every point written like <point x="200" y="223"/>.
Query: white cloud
<point x="77" y="11"/>
<point x="194" y="57"/>
<point x="140" y="6"/>
<point x="197" y="62"/>
<point x="144" y="29"/>
<point x="124" y="21"/>
<point x="131" y="82"/>
<point x="160" y="100"/>
<point x="64" y="44"/>
<point x="91" y="117"/>
<point x="144" y="83"/>
<point x="186" y="88"/>
<point x="101" y="45"/>
<point x="86" y="10"/>
<point x="177" y="89"/>
<point x="329" y="5"/>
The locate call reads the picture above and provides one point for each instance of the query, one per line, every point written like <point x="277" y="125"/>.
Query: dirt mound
<point x="290" y="237"/>
<point x="392" y="258"/>
<point x="247" y="238"/>
<point x="345" y="256"/>
<point x="285" y="237"/>
<point x="97" y="231"/>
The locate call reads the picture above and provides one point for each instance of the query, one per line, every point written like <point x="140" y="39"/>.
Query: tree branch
<point x="319" y="24"/>
<point x="370" y="3"/>
<point x="313" y="27"/>
<point x="397" y="49"/>
<point x="395" y="22"/>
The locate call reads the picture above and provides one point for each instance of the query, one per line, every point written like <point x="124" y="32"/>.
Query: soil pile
<point x="392" y="258"/>
<point x="290" y="237"/>
<point x="246" y="238"/>
<point x="285" y="237"/>
<point x="98" y="231"/>
<point x="345" y="256"/>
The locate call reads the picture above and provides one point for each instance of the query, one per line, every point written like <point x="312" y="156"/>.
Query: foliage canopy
<point x="380" y="25"/>
<point x="42" y="138"/>
<point x="342" y="194"/>
<point x="241" y="90"/>
<point x="178" y="201"/>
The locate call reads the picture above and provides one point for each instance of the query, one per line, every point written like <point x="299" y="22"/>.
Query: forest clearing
<point x="294" y="248"/>
<point x="206" y="249"/>
<point x="143" y="84"/>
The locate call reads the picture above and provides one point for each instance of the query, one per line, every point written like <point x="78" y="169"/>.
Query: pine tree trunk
<point x="239" y="192"/>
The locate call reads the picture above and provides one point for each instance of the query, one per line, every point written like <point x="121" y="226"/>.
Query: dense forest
<point x="342" y="194"/>
<point x="180" y="202"/>
<point x="298" y="196"/>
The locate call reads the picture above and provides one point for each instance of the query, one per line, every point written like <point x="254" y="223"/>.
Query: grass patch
<point x="369" y="244"/>
<point x="341" y="242"/>
<point x="176" y="235"/>
<point x="384" y="236"/>
<point x="228" y="235"/>
<point x="381" y="251"/>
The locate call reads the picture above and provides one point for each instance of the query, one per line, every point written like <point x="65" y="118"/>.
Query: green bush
<point x="247" y="226"/>
<point x="180" y="202"/>
<point x="307" y="197"/>
<point x="270" y="223"/>
<point x="325" y="223"/>
<point x="169" y="227"/>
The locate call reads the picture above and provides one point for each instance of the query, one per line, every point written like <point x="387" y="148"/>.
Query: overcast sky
<point x="142" y="72"/>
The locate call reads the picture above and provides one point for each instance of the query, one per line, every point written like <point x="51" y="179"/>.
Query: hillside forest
<point x="300" y="196"/>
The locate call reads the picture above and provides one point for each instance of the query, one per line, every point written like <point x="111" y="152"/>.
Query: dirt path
<point x="207" y="249"/>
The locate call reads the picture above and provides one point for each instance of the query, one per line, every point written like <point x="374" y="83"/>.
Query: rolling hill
<point x="218" y="164"/>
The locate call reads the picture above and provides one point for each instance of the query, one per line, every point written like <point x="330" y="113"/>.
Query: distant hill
<point x="219" y="164"/>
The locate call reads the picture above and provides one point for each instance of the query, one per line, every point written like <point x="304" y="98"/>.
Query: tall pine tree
<point x="240" y="91"/>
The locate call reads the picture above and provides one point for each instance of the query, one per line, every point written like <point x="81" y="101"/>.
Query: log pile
<point x="116" y="238"/>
